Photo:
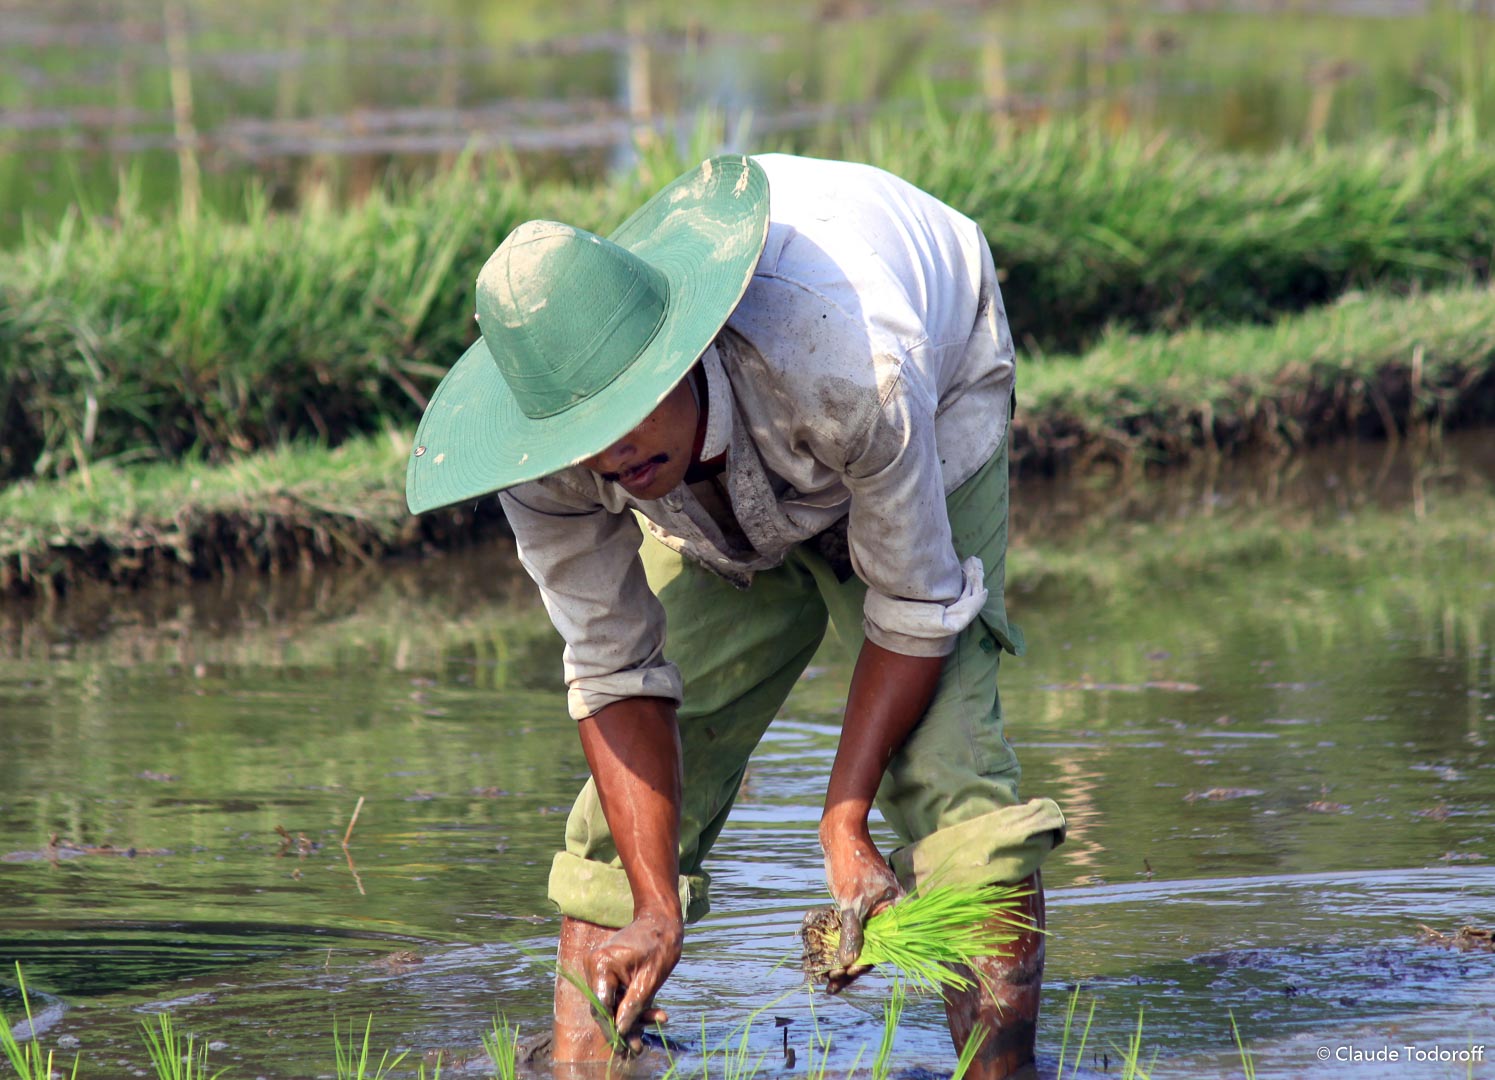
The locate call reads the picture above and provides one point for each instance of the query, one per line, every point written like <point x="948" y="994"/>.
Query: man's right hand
<point x="633" y="750"/>
<point x="627" y="971"/>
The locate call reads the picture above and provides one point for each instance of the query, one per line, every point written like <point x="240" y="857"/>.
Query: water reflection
<point x="1265" y="696"/>
<point x="200" y="100"/>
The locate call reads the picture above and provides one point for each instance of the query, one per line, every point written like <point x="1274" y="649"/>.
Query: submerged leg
<point x="1003" y="999"/>
<point x="576" y="1035"/>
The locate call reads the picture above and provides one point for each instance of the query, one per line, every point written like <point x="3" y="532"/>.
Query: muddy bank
<point x="1304" y="408"/>
<point x="274" y="532"/>
<point x="201" y="544"/>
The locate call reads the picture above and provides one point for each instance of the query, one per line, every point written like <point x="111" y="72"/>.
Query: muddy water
<point x="1265" y="697"/>
<point x="311" y="99"/>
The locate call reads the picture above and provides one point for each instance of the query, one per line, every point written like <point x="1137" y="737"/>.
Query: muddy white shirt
<point x="865" y="374"/>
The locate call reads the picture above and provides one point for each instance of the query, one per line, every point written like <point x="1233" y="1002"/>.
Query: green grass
<point x="173" y="1056"/>
<point x="358" y="483"/>
<point x="892" y="1014"/>
<point x="968" y="1053"/>
<point x="502" y="1047"/>
<point x="816" y="1067"/>
<point x="1371" y="363"/>
<point x="1083" y="1035"/>
<point x="29" y="1061"/>
<point x="127" y="338"/>
<point x="1131" y="1055"/>
<point x="1248" y="1066"/>
<point x="1157" y="232"/>
<point x="1371" y="359"/>
<point x="352" y="1057"/>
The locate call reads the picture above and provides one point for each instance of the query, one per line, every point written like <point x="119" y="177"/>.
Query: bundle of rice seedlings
<point x="925" y="934"/>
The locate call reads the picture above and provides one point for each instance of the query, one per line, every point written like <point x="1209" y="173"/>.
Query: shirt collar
<point x="718" y="405"/>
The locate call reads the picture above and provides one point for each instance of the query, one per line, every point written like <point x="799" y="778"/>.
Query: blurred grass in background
<point x="131" y="338"/>
<point x="318" y="102"/>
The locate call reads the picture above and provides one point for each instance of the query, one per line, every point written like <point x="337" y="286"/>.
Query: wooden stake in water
<point x="182" y="112"/>
<point x="357" y="880"/>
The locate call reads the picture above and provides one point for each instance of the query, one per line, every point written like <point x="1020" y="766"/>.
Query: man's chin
<point x="656" y="490"/>
<point x="656" y="487"/>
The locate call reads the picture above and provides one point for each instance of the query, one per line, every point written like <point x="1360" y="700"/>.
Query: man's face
<point x="650" y="461"/>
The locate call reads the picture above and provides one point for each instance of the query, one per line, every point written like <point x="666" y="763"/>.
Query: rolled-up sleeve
<point x="919" y="593"/>
<point x="586" y="563"/>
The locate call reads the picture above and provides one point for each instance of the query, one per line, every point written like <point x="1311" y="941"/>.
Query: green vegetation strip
<point x="127" y="338"/>
<point x="1370" y="365"/>
<point x="288" y="506"/>
<point x="1377" y="361"/>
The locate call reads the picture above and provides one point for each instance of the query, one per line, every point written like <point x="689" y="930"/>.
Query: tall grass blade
<point x="604" y="1017"/>
<point x="1248" y="1066"/>
<point x="352" y="1060"/>
<point x="892" y="1015"/>
<point x="28" y="1061"/>
<point x="1069" y="1015"/>
<point x="1131" y="1055"/>
<point x="969" y="1051"/>
<point x="172" y="1056"/>
<point x="502" y="1046"/>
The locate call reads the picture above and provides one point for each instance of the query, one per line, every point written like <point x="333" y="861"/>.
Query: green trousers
<point x="951" y="791"/>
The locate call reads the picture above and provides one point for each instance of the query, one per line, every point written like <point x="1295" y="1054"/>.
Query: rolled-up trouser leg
<point x="739" y="653"/>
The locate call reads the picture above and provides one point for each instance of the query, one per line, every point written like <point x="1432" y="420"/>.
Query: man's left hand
<point x="862" y="885"/>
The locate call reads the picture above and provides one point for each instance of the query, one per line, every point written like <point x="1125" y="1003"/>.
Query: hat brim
<point x="704" y="232"/>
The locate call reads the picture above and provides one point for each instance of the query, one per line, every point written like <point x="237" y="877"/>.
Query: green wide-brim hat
<point x="583" y="336"/>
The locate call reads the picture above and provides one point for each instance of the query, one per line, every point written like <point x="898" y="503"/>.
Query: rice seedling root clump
<point x="928" y="936"/>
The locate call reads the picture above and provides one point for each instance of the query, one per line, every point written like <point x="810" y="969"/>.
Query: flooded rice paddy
<point x="1265" y="696"/>
<point x="311" y="100"/>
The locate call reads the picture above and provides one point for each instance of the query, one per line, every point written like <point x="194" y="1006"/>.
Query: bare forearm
<point x="633" y="749"/>
<point x="888" y="695"/>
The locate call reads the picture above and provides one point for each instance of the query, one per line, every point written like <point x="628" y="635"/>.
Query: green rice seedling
<point x="734" y="1057"/>
<point x="815" y="1068"/>
<point x="604" y="1015"/>
<point x="353" y="1059"/>
<point x="1247" y="1065"/>
<point x="28" y="1061"/>
<point x="172" y="1056"/>
<point x="502" y="1046"/>
<point x="892" y="1014"/>
<point x="969" y="1051"/>
<point x="1069" y="1016"/>
<point x="1131" y="1055"/>
<point x="672" y="1072"/>
<point x="925" y="934"/>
